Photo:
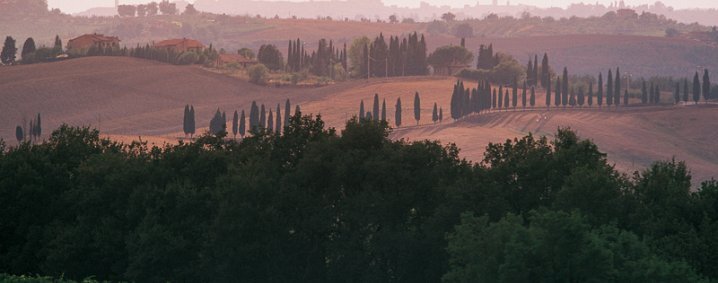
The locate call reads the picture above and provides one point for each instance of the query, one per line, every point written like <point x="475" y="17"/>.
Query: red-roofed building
<point x="223" y="59"/>
<point x="84" y="42"/>
<point x="180" y="45"/>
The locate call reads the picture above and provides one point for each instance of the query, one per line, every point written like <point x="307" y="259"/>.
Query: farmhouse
<point x="84" y="42"/>
<point x="180" y="45"/>
<point x="245" y="62"/>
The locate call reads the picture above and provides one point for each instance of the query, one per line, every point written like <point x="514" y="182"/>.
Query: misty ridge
<point x="426" y="12"/>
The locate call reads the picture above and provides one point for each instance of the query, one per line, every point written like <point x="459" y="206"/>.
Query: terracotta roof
<point x="235" y="58"/>
<point x="187" y="43"/>
<point x="97" y="37"/>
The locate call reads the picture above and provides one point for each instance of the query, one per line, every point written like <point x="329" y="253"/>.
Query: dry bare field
<point x="130" y="99"/>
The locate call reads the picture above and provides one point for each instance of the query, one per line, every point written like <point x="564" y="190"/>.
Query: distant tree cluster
<point x="401" y="57"/>
<point x="189" y="122"/>
<point x="271" y="57"/>
<point x="31" y="132"/>
<point x="449" y="58"/>
<point x="378" y="112"/>
<point x="207" y="56"/>
<point x="151" y="9"/>
<point x="322" y="62"/>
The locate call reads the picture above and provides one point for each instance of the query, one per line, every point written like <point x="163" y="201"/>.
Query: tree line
<point x="379" y="113"/>
<point x="31" y="132"/>
<point x="320" y="62"/>
<point x="401" y="57"/>
<point x="260" y="119"/>
<point x="315" y="205"/>
<point x="151" y="9"/>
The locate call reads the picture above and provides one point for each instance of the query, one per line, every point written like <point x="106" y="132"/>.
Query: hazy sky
<point x="73" y="6"/>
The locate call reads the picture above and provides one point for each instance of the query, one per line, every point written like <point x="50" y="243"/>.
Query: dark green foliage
<point x="191" y="123"/>
<point x="445" y="57"/>
<point x="644" y="93"/>
<point x="557" y="96"/>
<point x="375" y="109"/>
<point x="361" y="110"/>
<point x="383" y="110"/>
<point x="581" y="98"/>
<point x="397" y="113"/>
<point x="417" y="108"/>
<point x="532" y="100"/>
<point x="685" y="90"/>
<point x="270" y="121"/>
<point x="287" y="112"/>
<point x="441" y="114"/>
<point x="271" y="57"/>
<point x="435" y="114"/>
<point x="617" y="89"/>
<point x="599" y="94"/>
<point x="706" y="85"/>
<point x="696" y="88"/>
<point x="625" y="97"/>
<point x="242" y="129"/>
<point x="677" y="94"/>
<point x="253" y="117"/>
<point x="19" y="134"/>
<point x="313" y="205"/>
<point x="590" y="94"/>
<point x="486" y="59"/>
<point x="514" y="96"/>
<point x="28" y="47"/>
<point x="185" y="121"/>
<point x="548" y="92"/>
<point x="564" y="88"/>
<point x="262" y="118"/>
<point x="523" y="96"/>
<point x="545" y="73"/>
<point x="9" y="51"/>
<point x="278" y="119"/>
<point x="609" y="89"/>
<point x="506" y="99"/>
<point x="218" y="124"/>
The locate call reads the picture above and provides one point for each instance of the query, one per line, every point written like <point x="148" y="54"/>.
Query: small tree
<point x="375" y="109"/>
<point x="270" y="121"/>
<point x="706" y="85"/>
<point x="361" y="110"/>
<point x="685" y="90"/>
<point x="28" y="47"/>
<point x="38" y="126"/>
<point x="599" y="94"/>
<point x="548" y="92"/>
<point x="185" y="123"/>
<point x="441" y="114"/>
<point x="287" y="112"/>
<point x="397" y="113"/>
<point x="19" y="134"/>
<point x="532" y="101"/>
<point x="696" y="88"/>
<point x="57" y="47"/>
<point x="9" y="51"/>
<point x="590" y="94"/>
<point x="448" y="17"/>
<point x="383" y="110"/>
<point x="644" y="93"/>
<point x="258" y="74"/>
<point x="262" y="117"/>
<point x="242" y="125"/>
<point x="253" y="116"/>
<point x="235" y="124"/>
<point x="523" y="96"/>
<point x="677" y="94"/>
<point x="278" y="120"/>
<point x="417" y="108"/>
<point x="435" y="113"/>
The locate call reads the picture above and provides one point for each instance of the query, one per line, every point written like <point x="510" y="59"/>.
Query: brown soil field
<point x="128" y="99"/>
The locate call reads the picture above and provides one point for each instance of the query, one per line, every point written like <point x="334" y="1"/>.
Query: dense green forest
<point x="315" y="205"/>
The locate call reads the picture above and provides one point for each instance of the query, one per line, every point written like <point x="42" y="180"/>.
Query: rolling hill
<point x="126" y="98"/>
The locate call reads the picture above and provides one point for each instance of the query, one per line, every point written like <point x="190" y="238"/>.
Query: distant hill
<point x="98" y="12"/>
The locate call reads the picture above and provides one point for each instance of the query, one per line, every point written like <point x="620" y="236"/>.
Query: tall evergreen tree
<point x="298" y="111"/>
<point x="581" y="99"/>
<point x="397" y="113"/>
<point x="545" y="73"/>
<point x="617" y="89"/>
<point x="361" y="110"/>
<point x="441" y="114"/>
<point x="28" y="47"/>
<point x="494" y="100"/>
<point x="57" y="48"/>
<point x="287" y="110"/>
<point x="657" y="99"/>
<point x="270" y="121"/>
<point x="501" y="97"/>
<point x="609" y="89"/>
<point x="677" y="94"/>
<point x="523" y="96"/>
<point x="9" y="51"/>
<point x="235" y="124"/>
<point x="530" y="71"/>
<point x="625" y="97"/>
<point x="644" y="93"/>
<point x="685" y="90"/>
<point x="532" y="101"/>
<point x="19" y="134"/>
<point x="696" y="88"/>
<point x="572" y="98"/>
<point x="383" y="110"/>
<point x="38" y="126"/>
<point x="599" y="94"/>
<point x="435" y="113"/>
<point x="506" y="100"/>
<point x="706" y="85"/>
<point x="535" y="71"/>
<point x="253" y="116"/>
<point x="514" y="95"/>
<point x="242" y="125"/>
<point x="557" y="96"/>
<point x="547" y="85"/>
<point x="417" y="108"/>
<point x="564" y="87"/>
<point x="652" y="94"/>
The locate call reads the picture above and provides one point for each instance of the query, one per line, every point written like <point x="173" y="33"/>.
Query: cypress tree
<point x="599" y="94"/>
<point x="501" y="97"/>
<point x="441" y="114"/>
<point x="557" y="96"/>
<point x="19" y="134"/>
<point x="581" y="97"/>
<point x="297" y="111"/>
<point x="253" y="116"/>
<point x="706" y="85"/>
<point x="545" y="74"/>
<point x="652" y="94"/>
<point x="278" y="119"/>
<point x="9" y="51"/>
<point x="572" y="98"/>
<point x="397" y="113"/>
<point x="287" y="111"/>
<point x="617" y="90"/>
<point x="383" y="110"/>
<point x="235" y="124"/>
<point x="375" y="109"/>
<point x="530" y="71"/>
<point x="677" y="94"/>
<point x="696" y="88"/>
<point x="58" y="44"/>
<point x="685" y="90"/>
<point x="361" y="110"/>
<point x="38" y="126"/>
<point x="417" y="108"/>
<point x="547" y="85"/>
<point x="536" y="71"/>
<point x="270" y="121"/>
<point x="590" y="94"/>
<point x="644" y="93"/>
<point x="192" y="122"/>
<point x="242" y="125"/>
<point x="523" y="96"/>
<point x="532" y="101"/>
<point x="28" y="47"/>
<point x="657" y="100"/>
<point x="564" y="89"/>
<point x="453" y="103"/>
<point x="493" y="100"/>
<point x="514" y="96"/>
<point x="435" y="113"/>
<point x="262" y="117"/>
<point x="185" y="123"/>
<point x="609" y="89"/>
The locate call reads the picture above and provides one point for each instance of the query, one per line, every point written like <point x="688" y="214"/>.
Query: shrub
<point x="187" y="58"/>
<point x="258" y="74"/>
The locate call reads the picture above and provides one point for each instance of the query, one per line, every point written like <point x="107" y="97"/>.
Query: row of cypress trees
<point x="379" y="113"/>
<point x="465" y="101"/>
<point x="260" y="118"/>
<point x="33" y="132"/>
<point x="320" y="62"/>
<point x="401" y="57"/>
